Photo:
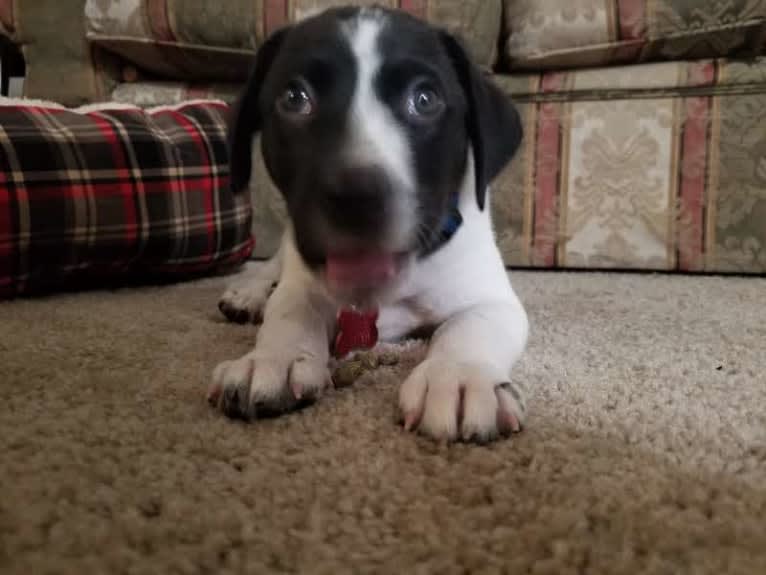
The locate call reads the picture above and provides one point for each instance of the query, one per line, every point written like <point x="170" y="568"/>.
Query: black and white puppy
<point x="383" y="137"/>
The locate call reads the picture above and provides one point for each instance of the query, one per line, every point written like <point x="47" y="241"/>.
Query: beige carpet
<point x="645" y="450"/>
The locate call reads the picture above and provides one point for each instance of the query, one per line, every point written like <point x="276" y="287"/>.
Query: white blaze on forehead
<point x="374" y="136"/>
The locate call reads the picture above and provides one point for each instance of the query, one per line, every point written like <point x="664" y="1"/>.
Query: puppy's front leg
<point x="462" y="390"/>
<point x="245" y="300"/>
<point x="289" y="365"/>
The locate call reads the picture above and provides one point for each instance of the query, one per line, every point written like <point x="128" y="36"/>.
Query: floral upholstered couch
<point x="645" y="120"/>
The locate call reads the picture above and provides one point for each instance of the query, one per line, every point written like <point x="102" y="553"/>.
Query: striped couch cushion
<point x="658" y="166"/>
<point x="115" y="193"/>
<point x="546" y="34"/>
<point x="214" y="41"/>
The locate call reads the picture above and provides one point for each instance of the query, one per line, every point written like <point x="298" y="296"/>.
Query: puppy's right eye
<point x="296" y="100"/>
<point x="422" y="102"/>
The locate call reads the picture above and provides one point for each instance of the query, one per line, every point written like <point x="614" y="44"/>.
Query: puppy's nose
<point x="356" y="199"/>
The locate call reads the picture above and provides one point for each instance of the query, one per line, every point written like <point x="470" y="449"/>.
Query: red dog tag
<point x="356" y="330"/>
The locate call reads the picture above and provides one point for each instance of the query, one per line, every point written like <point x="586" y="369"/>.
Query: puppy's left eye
<point x="296" y="100"/>
<point x="423" y="101"/>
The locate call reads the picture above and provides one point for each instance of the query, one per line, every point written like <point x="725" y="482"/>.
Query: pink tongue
<point x="360" y="270"/>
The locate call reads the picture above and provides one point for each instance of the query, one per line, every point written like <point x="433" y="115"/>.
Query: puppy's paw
<point x="245" y="303"/>
<point x="250" y="388"/>
<point x="450" y="400"/>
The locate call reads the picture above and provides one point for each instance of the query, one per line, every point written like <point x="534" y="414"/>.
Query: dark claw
<point x="263" y="410"/>
<point x="507" y="386"/>
<point x="461" y="407"/>
<point x="477" y="439"/>
<point x="234" y="314"/>
<point x="241" y="316"/>
<point x="271" y="410"/>
<point x="233" y="405"/>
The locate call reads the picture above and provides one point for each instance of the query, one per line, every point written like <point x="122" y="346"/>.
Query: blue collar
<point x="450" y="226"/>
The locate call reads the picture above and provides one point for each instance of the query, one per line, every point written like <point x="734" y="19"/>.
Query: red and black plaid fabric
<point x="115" y="194"/>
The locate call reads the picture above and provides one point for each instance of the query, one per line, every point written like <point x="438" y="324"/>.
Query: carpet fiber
<point x="645" y="450"/>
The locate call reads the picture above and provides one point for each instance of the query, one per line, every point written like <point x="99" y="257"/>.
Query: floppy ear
<point x="246" y="119"/>
<point x="493" y="123"/>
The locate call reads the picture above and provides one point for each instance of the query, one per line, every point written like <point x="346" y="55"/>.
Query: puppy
<point x="383" y="137"/>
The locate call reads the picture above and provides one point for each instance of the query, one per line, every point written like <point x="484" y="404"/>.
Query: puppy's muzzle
<point x="356" y="201"/>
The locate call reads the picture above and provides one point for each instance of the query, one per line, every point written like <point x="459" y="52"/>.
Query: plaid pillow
<point x="115" y="192"/>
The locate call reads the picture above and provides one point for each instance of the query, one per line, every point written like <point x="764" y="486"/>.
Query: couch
<point x="645" y="121"/>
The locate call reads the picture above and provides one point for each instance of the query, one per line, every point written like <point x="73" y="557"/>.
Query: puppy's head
<point x="367" y="118"/>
